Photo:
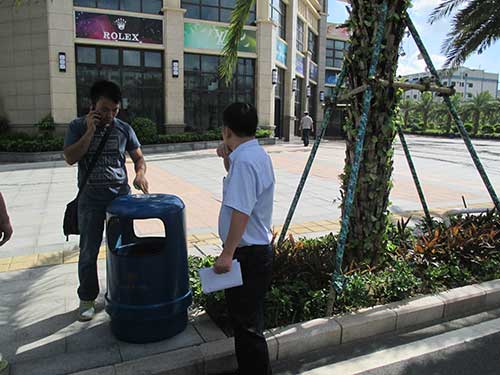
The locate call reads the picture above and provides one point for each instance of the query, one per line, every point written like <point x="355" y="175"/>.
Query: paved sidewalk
<point x="39" y="333"/>
<point x="38" y="193"/>
<point x="41" y="336"/>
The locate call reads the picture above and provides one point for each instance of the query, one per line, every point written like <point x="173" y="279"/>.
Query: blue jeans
<point x="91" y="218"/>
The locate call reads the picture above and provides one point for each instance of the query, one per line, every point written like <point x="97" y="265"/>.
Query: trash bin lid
<point x="146" y="206"/>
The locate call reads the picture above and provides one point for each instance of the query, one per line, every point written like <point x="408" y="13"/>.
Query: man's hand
<point x="223" y="263"/>
<point x="92" y="118"/>
<point x="5" y="232"/>
<point x="223" y="151"/>
<point x="141" y="183"/>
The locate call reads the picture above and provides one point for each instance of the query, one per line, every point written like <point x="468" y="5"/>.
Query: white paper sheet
<point x="212" y="282"/>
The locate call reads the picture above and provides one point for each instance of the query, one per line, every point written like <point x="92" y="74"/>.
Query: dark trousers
<point x="91" y="217"/>
<point x="305" y="136"/>
<point x="246" y="309"/>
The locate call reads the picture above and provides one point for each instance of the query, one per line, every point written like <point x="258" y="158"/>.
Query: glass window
<point x="86" y="55"/>
<point x="210" y="13"/>
<point x="278" y="15"/>
<point x="85" y="3"/>
<point x="300" y="35"/>
<point x="131" y="5"/>
<point x="209" y="64"/>
<point x="152" y="6"/>
<point x="146" y="6"/>
<point x="206" y="96"/>
<point x="152" y="59"/>
<point x="312" y="45"/>
<point x="109" y="56"/>
<point x="131" y="58"/>
<point x="213" y="10"/>
<point x="471" y="85"/>
<point x="108" y="4"/>
<point x="225" y="15"/>
<point x="192" y="11"/>
<point x="335" y="50"/>
<point x="192" y="63"/>
<point x="140" y="83"/>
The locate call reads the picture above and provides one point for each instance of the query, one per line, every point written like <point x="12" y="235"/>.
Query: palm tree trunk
<point x="475" y="122"/>
<point x="367" y="234"/>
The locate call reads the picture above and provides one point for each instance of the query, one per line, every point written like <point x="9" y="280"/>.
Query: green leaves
<point x="230" y="51"/>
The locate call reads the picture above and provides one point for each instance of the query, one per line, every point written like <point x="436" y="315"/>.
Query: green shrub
<point x="487" y="129"/>
<point x="263" y="133"/>
<point x="145" y="129"/>
<point x="497" y="129"/>
<point x="469" y="128"/>
<point x="46" y="124"/>
<point x="447" y="257"/>
<point x="32" y="144"/>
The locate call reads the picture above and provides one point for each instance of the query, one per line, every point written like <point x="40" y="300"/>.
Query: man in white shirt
<point x="245" y="229"/>
<point x="307" y="126"/>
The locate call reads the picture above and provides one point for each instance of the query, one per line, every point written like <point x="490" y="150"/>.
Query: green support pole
<point x="312" y="155"/>
<point x="454" y="113"/>
<point x="415" y="176"/>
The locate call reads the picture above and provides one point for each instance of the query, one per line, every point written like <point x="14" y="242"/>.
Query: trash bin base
<point x="145" y="331"/>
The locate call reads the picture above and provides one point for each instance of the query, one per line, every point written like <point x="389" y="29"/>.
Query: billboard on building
<point x="313" y="71"/>
<point x="299" y="64"/>
<point x="212" y="37"/>
<point x="118" y="28"/>
<point x="281" y="51"/>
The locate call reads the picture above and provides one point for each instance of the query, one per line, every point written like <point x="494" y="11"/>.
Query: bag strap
<point x="93" y="162"/>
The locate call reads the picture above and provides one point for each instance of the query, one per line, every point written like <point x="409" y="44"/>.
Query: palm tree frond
<point x="230" y="51"/>
<point x="444" y="9"/>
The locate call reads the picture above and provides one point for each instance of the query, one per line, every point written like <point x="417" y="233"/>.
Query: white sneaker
<point x="86" y="311"/>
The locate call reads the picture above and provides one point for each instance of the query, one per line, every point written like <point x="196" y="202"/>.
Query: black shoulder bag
<point x="70" y="223"/>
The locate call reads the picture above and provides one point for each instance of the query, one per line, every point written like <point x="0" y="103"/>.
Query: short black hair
<point x="241" y="118"/>
<point x="105" y="89"/>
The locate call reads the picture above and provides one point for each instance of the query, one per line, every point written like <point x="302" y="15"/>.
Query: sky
<point x="432" y="35"/>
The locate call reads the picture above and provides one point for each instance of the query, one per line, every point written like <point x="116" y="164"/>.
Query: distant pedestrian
<point x="307" y="126"/>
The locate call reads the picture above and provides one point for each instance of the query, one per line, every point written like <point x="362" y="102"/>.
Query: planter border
<point x="300" y="338"/>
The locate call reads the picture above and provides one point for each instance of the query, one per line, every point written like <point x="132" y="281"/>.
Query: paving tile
<point x="67" y="363"/>
<point x="189" y="337"/>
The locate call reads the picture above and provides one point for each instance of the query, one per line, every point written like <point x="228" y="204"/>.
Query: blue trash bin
<point x="148" y="290"/>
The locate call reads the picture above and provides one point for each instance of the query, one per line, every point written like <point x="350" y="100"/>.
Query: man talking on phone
<point x="108" y="178"/>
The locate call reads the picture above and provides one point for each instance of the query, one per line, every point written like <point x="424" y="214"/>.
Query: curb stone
<point x="297" y="339"/>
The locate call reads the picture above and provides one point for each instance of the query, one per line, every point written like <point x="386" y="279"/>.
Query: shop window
<point x="278" y="15"/>
<point x="312" y="45"/>
<point x="213" y="10"/>
<point x="139" y="6"/>
<point x="206" y="96"/>
<point x="139" y="74"/>
<point x="300" y="35"/>
<point x="335" y="50"/>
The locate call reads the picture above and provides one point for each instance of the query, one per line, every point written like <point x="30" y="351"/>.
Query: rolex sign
<point x="118" y="28"/>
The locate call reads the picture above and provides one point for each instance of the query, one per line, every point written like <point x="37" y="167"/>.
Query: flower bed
<point x="466" y="252"/>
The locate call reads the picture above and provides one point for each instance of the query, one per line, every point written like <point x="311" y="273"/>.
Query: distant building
<point x="467" y="82"/>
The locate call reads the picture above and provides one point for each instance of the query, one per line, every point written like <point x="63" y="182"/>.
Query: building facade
<point x="164" y="54"/>
<point x="467" y="82"/>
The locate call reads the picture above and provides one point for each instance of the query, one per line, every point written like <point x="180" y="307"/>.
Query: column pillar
<point x="173" y="39"/>
<point x="321" y="66"/>
<point x="289" y="97"/>
<point x="265" y="65"/>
